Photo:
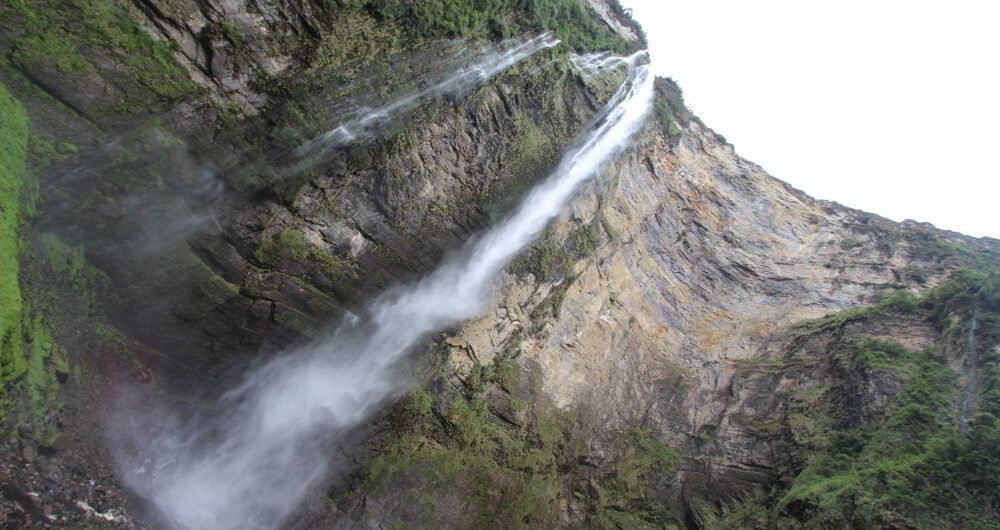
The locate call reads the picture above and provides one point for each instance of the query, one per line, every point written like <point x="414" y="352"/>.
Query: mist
<point x="252" y="457"/>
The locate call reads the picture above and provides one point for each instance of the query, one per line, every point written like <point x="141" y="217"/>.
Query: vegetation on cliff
<point x="484" y="451"/>
<point x="510" y="461"/>
<point x="14" y="131"/>
<point x="501" y="19"/>
<point x="31" y="363"/>
<point x="74" y="36"/>
<point x="930" y="460"/>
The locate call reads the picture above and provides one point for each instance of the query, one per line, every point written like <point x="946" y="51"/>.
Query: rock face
<point x="226" y="251"/>
<point x="646" y="364"/>
<point x="681" y="315"/>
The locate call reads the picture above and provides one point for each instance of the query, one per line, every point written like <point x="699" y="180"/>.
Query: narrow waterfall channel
<point x="254" y="462"/>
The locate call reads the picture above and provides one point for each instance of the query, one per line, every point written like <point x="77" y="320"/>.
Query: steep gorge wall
<point x="668" y="302"/>
<point x="165" y="239"/>
<point x="640" y="361"/>
<point x="195" y="226"/>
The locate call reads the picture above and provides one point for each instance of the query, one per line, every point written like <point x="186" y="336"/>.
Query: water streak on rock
<point x="253" y="464"/>
<point x="365" y="121"/>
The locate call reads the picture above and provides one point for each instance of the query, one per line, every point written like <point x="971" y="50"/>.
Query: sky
<point x="887" y="106"/>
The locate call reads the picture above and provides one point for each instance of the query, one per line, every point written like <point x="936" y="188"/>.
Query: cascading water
<point x="488" y="62"/>
<point x="596" y="63"/>
<point x="253" y="464"/>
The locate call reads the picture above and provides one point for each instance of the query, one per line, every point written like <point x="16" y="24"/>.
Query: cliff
<point x="692" y="343"/>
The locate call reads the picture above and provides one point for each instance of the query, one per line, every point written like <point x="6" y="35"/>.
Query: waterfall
<point x="489" y="62"/>
<point x="593" y="64"/>
<point x="255" y="462"/>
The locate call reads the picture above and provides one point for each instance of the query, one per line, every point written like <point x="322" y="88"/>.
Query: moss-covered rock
<point x="14" y="131"/>
<point x="894" y="439"/>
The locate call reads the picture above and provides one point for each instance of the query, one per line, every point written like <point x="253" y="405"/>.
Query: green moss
<point x="670" y="92"/>
<point x="355" y="40"/>
<point x="46" y="361"/>
<point x="147" y="158"/>
<point x="534" y="150"/>
<point x="848" y="244"/>
<point x="331" y="265"/>
<point x="550" y="261"/>
<point x="586" y="238"/>
<point x="553" y="262"/>
<point x="883" y="467"/>
<point x="640" y="457"/>
<point x="574" y="24"/>
<point x="67" y="272"/>
<point x="450" y="448"/>
<point x="775" y="366"/>
<point x="764" y="427"/>
<point x="41" y="43"/>
<point x="877" y="353"/>
<point x="665" y="116"/>
<point x="627" y="497"/>
<point x="32" y="362"/>
<point x="880" y="466"/>
<point x="287" y="245"/>
<point x="418" y="404"/>
<point x="14" y="130"/>
<point x="608" y="229"/>
<point x="507" y="374"/>
<point x="210" y="290"/>
<point x="928" y="245"/>
<point x="74" y="36"/>
<point x="508" y="477"/>
<point x="230" y="32"/>
<point x="44" y="151"/>
<point x="68" y="261"/>
<point x="511" y="346"/>
<point x="809" y="418"/>
<point x="547" y="260"/>
<point x="669" y="108"/>
<point x="973" y="291"/>
<point x="915" y="273"/>
<point x="931" y="460"/>
<point x="896" y="301"/>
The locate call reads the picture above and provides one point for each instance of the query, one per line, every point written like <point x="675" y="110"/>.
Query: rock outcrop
<point x="683" y="344"/>
<point x="687" y="275"/>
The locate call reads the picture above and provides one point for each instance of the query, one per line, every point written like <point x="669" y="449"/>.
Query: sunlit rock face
<point x="703" y="265"/>
<point x="672" y="295"/>
<point x="643" y="359"/>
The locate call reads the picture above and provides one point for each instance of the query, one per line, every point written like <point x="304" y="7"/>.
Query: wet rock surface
<point x="687" y="273"/>
<point x="667" y="295"/>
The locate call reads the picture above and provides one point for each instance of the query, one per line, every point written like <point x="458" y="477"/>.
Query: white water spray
<point x="597" y="63"/>
<point x="254" y="465"/>
<point x="490" y="61"/>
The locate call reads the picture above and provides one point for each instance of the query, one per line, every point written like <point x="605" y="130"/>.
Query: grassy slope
<point x="14" y="130"/>
<point x="29" y="357"/>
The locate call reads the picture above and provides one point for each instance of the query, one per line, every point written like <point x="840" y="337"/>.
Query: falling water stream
<point x="366" y="121"/>
<point x="253" y="465"/>
<point x="593" y="64"/>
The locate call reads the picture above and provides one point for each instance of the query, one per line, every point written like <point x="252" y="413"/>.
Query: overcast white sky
<point x="889" y="106"/>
